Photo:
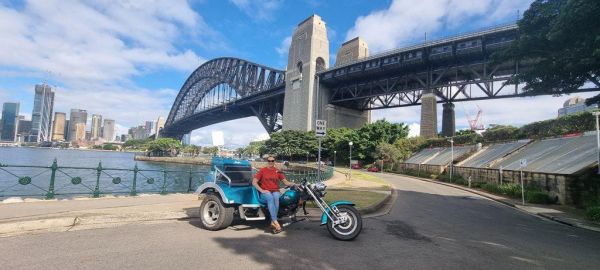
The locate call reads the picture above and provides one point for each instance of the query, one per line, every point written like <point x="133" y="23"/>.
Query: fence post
<point x="190" y="182"/>
<point x="164" y="187"/>
<point x="135" y="171"/>
<point x="54" y="167"/>
<point x="97" y="188"/>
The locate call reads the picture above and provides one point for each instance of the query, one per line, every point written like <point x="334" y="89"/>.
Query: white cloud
<point x="414" y="130"/>
<point x="407" y="21"/>
<point x="258" y="10"/>
<point x="236" y="133"/>
<point x="283" y="49"/>
<point x="94" y="49"/>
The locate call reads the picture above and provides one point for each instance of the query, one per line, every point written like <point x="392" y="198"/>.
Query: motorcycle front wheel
<point x="348" y="230"/>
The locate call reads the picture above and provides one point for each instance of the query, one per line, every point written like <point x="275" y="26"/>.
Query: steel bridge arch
<point x="248" y="79"/>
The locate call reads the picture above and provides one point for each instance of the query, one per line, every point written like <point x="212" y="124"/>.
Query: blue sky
<point x="127" y="60"/>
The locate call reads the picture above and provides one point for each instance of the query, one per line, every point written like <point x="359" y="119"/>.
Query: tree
<point x="211" y="150"/>
<point x="109" y="146"/>
<point x="562" y="38"/>
<point x="163" y="147"/>
<point x="389" y="154"/>
<point x="136" y="144"/>
<point x="291" y="144"/>
<point x="371" y="135"/>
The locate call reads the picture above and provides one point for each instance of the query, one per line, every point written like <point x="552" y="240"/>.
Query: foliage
<point x="388" y="153"/>
<point x="560" y="126"/>
<point x="501" y="133"/>
<point x="192" y="150"/>
<point x="562" y="37"/>
<point x="136" y="144"/>
<point x="536" y="196"/>
<point x="407" y="146"/>
<point x="291" y="144"/>
<point x="211" y="150"/>
<point x="593" y="213"/>
<point x="371" y="135"/>
<point x="163" y="147"/>
<point x="254" y="148"/>
<point x="109" y="146"/>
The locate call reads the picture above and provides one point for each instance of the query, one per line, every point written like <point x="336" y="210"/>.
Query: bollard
<point x="54" y="167"/>
<point x="164" y="187"/>
<point x="469" y="181"/>
<point x="190" y="182"/>
<point x="135" y="171"/>
<point x="97" y="188"/>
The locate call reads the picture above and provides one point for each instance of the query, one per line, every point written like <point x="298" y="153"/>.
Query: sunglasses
<point x="270" y="160"/>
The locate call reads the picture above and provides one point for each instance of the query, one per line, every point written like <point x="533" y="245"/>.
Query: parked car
<point x="373" y="169"/>
<point x="355" y="166"/>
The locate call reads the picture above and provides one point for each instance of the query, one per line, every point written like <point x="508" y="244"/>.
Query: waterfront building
<point x="575" y="105"/>
<point x="96" y="126"/>
<point x="10" y="121"/>
<point x="160" y="123"/>
<point x="77" y="116"/>
<point x="41" y="116"/>
<point x="58" y="129"/>
<point x="24" y="129"/>
<point x="186" y="140"/>
<point x="108" y="130"/>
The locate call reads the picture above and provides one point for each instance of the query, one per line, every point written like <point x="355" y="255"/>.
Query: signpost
<point x="501" y="175"/>
<point x="320" y="132"/>
<point x="523" y="163"/>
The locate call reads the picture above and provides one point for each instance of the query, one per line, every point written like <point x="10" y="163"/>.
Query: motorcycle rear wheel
<point x="214" y="214"/>
<point x="348" y="230"/>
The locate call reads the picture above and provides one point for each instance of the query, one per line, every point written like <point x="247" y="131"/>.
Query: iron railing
<point x="50" y="181"/>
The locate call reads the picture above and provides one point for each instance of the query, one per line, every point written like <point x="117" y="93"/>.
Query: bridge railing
<point x="54" y="180"/>
<point x="466" y="35"/>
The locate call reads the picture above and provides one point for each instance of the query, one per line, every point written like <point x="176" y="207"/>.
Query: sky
<point x="126" y="60"/>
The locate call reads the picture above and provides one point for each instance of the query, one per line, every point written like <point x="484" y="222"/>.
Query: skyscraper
<point x="96" y="126"/>
<point x="79" y="132"/>
<point x="41" y="117"/>
<point x="24" y="129"/>
<point x="148" y="128"/>
<point x="108" y="130"/>
<point x="58" y="129"/>
<point x="10" y="121"/>
<point x="78" y="116"/>
<point x="160" y="123"/>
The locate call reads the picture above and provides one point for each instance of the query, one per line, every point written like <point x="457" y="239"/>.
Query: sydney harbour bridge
<point x="444" y="71"/>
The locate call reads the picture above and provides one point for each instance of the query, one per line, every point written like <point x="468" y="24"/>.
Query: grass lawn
<point x="361" y="198"/>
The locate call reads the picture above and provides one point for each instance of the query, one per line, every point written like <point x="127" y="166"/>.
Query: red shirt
<point x="268" y="178"/>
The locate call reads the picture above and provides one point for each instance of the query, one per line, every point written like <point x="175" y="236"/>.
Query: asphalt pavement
<point x="430" y="226"/>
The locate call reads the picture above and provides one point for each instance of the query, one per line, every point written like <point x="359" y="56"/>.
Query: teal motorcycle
<point x="229" y="194"/>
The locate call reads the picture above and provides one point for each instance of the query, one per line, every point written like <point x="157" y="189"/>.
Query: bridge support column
<point x="428" y="115"/>
<point x="448" y="120"/>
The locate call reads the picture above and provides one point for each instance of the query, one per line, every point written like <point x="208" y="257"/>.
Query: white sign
<point x="321" y="128"/>
<point x="523" y="163"/>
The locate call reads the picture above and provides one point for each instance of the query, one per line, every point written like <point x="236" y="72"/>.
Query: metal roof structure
<point x="486" y="156"/>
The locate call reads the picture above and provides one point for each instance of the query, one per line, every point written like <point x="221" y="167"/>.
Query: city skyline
<point x="133" y="72"/>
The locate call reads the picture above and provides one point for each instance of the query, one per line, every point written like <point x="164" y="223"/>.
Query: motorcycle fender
<point x="336" y="203"/>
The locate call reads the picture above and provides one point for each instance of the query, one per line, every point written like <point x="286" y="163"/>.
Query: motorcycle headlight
<point x="320" y="186"/>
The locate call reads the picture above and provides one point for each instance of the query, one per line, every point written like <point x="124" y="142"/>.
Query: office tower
<point x="78" y="116"/>
<point x="41" y="117"/>
<point x="79" y="132"/>
<point x="10" y="121"/>
<point x="186" y="140"/>
<point x="96" y="126"/>
<point x="160" y="123"/>
<point x="58" y="129"/>
<point x="24" y="129"/>
<point x="108" y="130"/>
<point x="148" y="128"/>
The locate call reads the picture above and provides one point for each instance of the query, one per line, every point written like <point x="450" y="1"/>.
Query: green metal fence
<point x="54" y="180"/>
<point x="50" y="181"/>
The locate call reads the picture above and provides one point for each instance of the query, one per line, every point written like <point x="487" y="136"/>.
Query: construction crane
<point x="475" y="124"/>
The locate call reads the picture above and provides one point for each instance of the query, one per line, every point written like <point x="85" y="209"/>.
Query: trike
<point x="228" y="194"/>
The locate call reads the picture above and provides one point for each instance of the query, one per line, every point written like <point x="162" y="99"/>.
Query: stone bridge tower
<point x="309" y="53"/>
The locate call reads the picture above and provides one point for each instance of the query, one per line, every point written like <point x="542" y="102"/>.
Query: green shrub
<point x="511" y="190"/>
<point x="476" y="184"/>
<point x="593" y="213"/>
<point x="492" y="188"/>
<point x="535" y="196"/>
<point x="433" y="176"/>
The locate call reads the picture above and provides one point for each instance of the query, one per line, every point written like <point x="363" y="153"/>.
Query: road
<point x="430" y="227"/>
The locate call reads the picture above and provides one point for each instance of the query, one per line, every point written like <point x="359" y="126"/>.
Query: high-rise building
<point x="148" y="128"/>
<point x="58" y="129"/>
<point x="160" y="123"/>
<point x="79" y="133"/>
<point x="96" y="126"/>
<point x="41" y="117"/>
<point x="186" y="140"/>
<point x="575" y="105"/>
<point x="108" y="130"/>
<point x="24" y="129"/>
<point x="78" y="116"/>
<point x="10" y="121"/>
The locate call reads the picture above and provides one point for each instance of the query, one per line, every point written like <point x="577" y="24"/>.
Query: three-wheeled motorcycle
<point x="228" y="193"/>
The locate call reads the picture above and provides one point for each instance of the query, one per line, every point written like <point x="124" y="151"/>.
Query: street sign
<point x="523" y="163"/>
<point x="321" y="128"/>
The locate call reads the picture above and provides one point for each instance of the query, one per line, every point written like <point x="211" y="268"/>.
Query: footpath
<point x="564" y="214"/>
<point x="18" y="216"/>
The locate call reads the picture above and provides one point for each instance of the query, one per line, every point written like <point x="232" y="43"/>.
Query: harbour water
<point x="153" y="176"/>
